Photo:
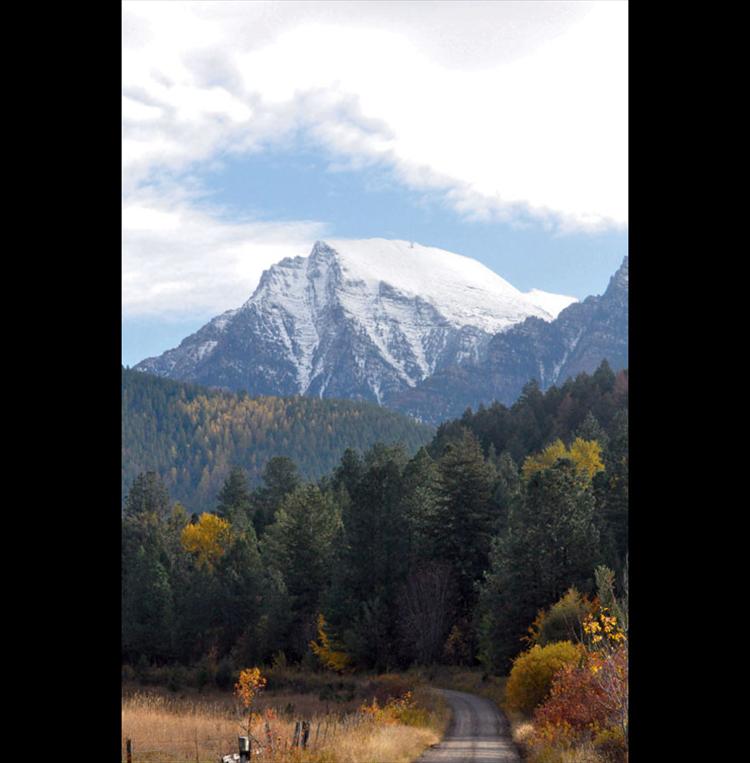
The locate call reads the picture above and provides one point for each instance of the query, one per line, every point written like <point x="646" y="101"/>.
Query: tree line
<point x="389" y="559"/>
<point x="191" y="435"/>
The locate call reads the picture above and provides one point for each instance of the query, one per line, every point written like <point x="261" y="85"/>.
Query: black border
<point x="81" y="345"/>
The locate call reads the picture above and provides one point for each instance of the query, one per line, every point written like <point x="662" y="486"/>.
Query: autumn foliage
<point x="533" y="672"/>
<point x="207" y="540"/>
<point x="330" y="655"/>
<point x="250" y="683"/>
<point x="588" y="702"/>
<point x="585" y="454"/>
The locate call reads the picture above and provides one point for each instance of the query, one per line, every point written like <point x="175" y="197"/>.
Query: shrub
<point x="225" y="674"/>
<point x="401" y="709"/>
<point x="176" y="676"/>
<point x="250" y="683"/>
<point x="142" y="669"/>
<point x="532" y="673"/>
<point x="385" y="687"/>
<point x="611" y="745"/>
<point x="574" y="703"/>
<point x="585" y="699"/>
<point x="563" y="621"/>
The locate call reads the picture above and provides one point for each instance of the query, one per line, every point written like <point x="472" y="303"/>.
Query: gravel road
<point x="478" y="733"/>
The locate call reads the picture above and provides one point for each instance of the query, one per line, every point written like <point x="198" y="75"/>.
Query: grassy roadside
<point x="357" y="719"/>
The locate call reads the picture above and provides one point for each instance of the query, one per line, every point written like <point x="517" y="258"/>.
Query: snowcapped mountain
<point x="582" y="335"/>
<point x="363" y="319"/>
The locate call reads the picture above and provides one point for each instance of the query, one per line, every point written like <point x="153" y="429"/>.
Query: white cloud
<point x="505" y="110"/>
<point x="179" y="260"/>
<point x="504" y="106"/>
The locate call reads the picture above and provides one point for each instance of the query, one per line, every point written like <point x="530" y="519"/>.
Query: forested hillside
<point x="192" y="436"/>
<point x="390" y="559"/>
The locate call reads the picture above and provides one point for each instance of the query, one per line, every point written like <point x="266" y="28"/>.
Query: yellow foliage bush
<point x="532" y="673"/>
<point x="208" y="539"/>
<point x="402" y="710"/>
<point x="327" y="652"/>
<point x="585" y="454"/>
<point x="250" y="683"/>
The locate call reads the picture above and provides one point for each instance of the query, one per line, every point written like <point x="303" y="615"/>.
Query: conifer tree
<point x="551" y="544"/>
<point x="464" y="517"/>
<point x="239" y="575"/>
<point x="280" y="478"/>
<point x="235" y="500"/>
<point x="300" y="545"/>
<point x="147" y="495"/>
<point x="147" y="608"/>
<point x="373" y="561"/>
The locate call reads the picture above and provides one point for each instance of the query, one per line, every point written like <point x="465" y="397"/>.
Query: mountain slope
<point x="578" y="340"/>
<point x="356" y="319"/>
<point x="192" y="436"/>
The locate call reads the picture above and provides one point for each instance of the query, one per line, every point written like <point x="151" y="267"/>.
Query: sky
<point x="494" y="129"/>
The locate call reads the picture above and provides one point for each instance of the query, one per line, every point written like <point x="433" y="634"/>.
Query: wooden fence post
<point x="129" y="751"/>
<point x="295" y="738"/>
<point x="269" y="737"/>
<point x="305" y="733"/>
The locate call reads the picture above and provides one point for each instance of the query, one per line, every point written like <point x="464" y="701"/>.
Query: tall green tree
<point x="464" y="520"/>
<point x="300" y="545"/>
<point x="373" y="561"/>
<point x="147" y="495"/>
<point x="551" y="544"/>
<point x="239" y="576"/>
<point x="147" y="608"/>
<point x="280" y="478"/>
<point x="235" y="501"/>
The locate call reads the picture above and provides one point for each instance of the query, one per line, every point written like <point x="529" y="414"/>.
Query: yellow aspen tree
<point x="207" y="540"/>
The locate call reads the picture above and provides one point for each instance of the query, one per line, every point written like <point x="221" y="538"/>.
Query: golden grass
<point x="167" y="729"/>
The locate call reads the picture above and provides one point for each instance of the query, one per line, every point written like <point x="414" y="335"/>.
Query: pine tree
<point x="373" y="561"/>
<point x="235" y="500"/>
<point x="239" y="575"/>
<point x="147" y="608"/>
<point x="280" y="478"/>
<point x="551" y="544"/>
<point x="300" y="545"/>
<point x="147" y="495"/>
<point x="464" y="519"/>
<point x="420" y="503"/>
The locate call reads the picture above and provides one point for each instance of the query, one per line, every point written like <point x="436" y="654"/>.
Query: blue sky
<point x="251" y="130"/>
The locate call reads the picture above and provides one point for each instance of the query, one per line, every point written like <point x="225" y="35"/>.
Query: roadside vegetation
<point x="498" y="551"/>
<point x="353" y="719"/>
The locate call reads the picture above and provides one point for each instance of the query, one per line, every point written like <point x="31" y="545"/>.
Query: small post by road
<point x="269" y="737"/>
<point x="295" y="738"/>
<point x="305" y="733"/>
<point x="244" y="749"/>
<point x="128" y="751"/>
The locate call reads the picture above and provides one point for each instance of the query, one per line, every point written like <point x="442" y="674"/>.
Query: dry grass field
<point x="200" y="728"/>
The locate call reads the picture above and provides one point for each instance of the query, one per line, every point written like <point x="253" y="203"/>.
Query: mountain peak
<point x="357" y="318"/>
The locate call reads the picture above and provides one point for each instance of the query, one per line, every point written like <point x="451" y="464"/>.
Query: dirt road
<point x="477" y="734"/>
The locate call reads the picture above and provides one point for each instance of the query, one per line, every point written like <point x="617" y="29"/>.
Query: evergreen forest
<point x="441" y="549"/>
<point x="191" y="436"/>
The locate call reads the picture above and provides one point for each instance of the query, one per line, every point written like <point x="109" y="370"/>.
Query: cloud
<point x="515" y="111"/>
<point x="184" y="260"/>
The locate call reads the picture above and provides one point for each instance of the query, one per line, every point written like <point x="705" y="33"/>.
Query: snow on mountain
<point x="554" y="304"/>
<point x="356" y="318"/>
<point x="465" y="292"/>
